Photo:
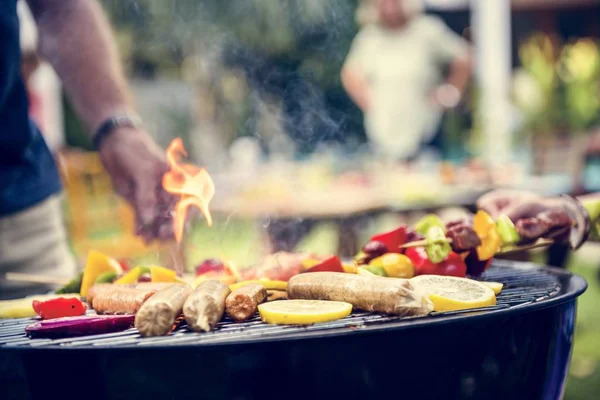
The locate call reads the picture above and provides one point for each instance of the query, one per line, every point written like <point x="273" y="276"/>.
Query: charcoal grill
<point x="518" y="349"/>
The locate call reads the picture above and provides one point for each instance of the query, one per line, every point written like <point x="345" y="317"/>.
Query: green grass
<point x="584" y="377"/>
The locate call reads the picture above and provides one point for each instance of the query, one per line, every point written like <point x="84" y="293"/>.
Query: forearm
<point x="460" y="73"/>
<point x="76" y="39"/>
<point x="357" y="87"/>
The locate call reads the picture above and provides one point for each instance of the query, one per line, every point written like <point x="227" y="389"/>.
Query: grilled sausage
<point x="120" y="300"/>
<point x="204" y="308"/>
<point x="157" y="315"/>
<point x="97" y="289"/>
<point x="273" y="295"/>
<point x="243" y="302"/>
<point x="370" y="293"/>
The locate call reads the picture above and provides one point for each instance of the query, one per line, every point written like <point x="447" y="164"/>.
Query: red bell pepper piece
<point x="331" y="264"/>
<point x="392" y="239"/>
<point x="453" y="265"/>
<point x="58" y="308"/>
<point x="210" y="265"/>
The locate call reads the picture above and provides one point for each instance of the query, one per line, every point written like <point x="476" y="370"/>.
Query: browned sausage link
<point x="157" y="315"/>
<point x="156" y="286"/>
<point x="120" y="300"/>
<point x="206" y="305"/>
<point x="243" y="302"/>
<point x="97" y="289"/>
<point x="273" y="295"/>
<point x="370" y="293"/>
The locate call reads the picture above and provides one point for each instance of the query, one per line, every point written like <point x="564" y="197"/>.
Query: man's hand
<point x="515" y="204"/>
<point x="136" y="165"/>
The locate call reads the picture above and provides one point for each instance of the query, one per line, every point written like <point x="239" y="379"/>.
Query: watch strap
<point x="112" y="123"/>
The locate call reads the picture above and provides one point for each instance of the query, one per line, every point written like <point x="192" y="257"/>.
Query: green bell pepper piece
<point x="437" y="247"/>
<point x="507" y="230"/>
<point x="431" y="220"/>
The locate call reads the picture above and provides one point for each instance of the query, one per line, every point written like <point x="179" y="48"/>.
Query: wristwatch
<point x="112" y="123"/>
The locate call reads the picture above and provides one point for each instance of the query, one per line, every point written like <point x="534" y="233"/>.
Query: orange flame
<point x="193" y="184"/>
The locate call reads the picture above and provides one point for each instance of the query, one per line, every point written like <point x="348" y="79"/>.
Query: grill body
<point x="517" y="350"/>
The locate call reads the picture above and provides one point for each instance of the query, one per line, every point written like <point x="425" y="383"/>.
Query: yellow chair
<point x="99" y="219"/>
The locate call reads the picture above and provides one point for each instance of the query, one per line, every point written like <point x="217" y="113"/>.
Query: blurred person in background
<point x="75" y="37"/>
<point x="394" y="74"/>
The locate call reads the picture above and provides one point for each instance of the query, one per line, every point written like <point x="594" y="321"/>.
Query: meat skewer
<point x="546" y="228"/>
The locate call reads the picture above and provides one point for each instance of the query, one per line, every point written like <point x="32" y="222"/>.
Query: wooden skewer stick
<point x="505" y="250"/>
<point x="536" y="245"/>
<point x="420" y="243"/>
<point x="31" y="278"/>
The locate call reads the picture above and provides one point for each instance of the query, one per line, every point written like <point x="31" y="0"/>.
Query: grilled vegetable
<point x="79" y="326"/>
<point x="395" y="265"/>
<point x="374" y="249"/>
<point x="162" y="274"/>
<point x="485" y="227"/>
<point x="393" y="239"/>
<point x="507" y="230"/>
<point x="107" y="277"/>
<point x="74" y="285"/>
<point x="23" y="308"/>
<point x="437" y="247"/>
<point x="267" y="283"/>
<point x="132" y="276"/>
<point x="205" y="307"/>
<point x="97" y="263"/>
<point x="429" y="221"/>
<point x="59" y="308"/>
<point x="453" y="265"/>
<point x="369" y="293"/>
<point x="331" y="264"/>
<point x="475" y="266"/>
<point x="376" y="270"/>
<point x="243" y="302"/>
<point x="156" y="317"/>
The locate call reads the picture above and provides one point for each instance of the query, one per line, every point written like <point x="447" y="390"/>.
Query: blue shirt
<point x="28" y="173"/>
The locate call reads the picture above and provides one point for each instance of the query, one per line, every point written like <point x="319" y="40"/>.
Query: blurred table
<point x="289" y="199"/>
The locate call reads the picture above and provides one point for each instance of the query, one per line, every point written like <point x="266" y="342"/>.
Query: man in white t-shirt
<point x="394" y="74"/>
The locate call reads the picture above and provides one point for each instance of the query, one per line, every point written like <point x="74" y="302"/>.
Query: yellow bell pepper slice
<point x="97" y="263"/>
<point x="162" y="274"/>
<point x="267" y="283"/>
<point x="350" y="269"/>
<point x="485" y="227"/>
<point x="131" y="277"/>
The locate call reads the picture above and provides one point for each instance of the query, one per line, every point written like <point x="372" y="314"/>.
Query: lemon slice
<point x="303" y="312"/>
<point x="495" y="286"/>
<point x="449" y="293"/>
